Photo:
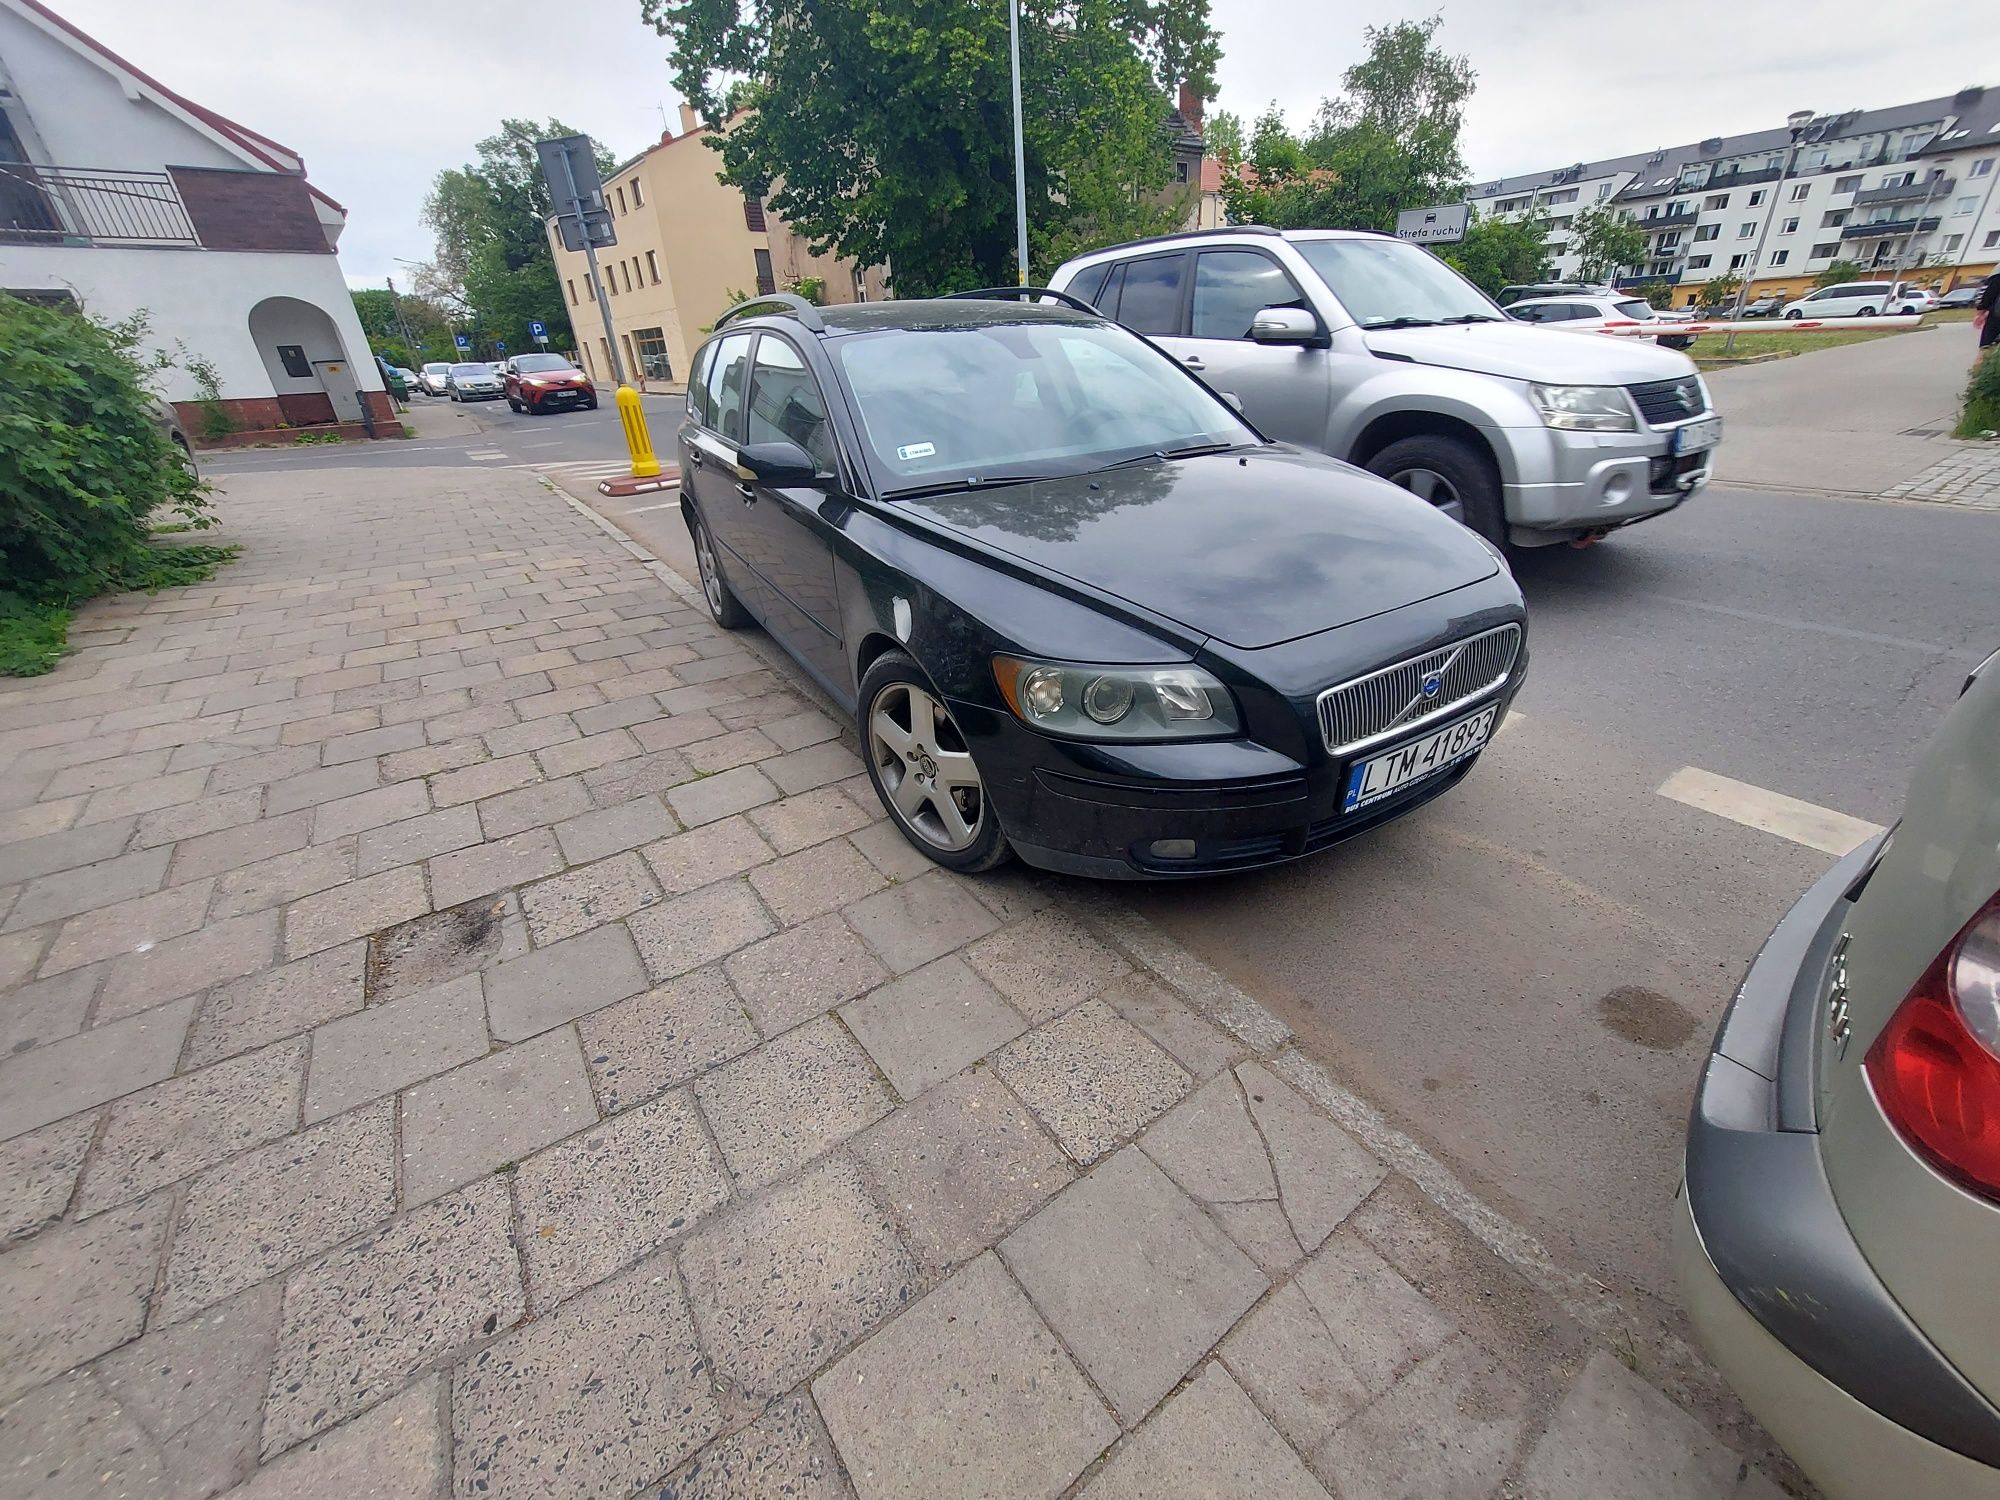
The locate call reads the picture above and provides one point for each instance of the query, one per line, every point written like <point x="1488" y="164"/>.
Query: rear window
<point x="1150" y="301"/>
<point x="1635" y="309"/>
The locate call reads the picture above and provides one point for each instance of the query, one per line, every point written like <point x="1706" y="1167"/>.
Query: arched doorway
<point x="314" y="380"/>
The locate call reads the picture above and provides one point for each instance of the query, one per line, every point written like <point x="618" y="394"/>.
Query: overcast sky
<point x="380" y="98"/>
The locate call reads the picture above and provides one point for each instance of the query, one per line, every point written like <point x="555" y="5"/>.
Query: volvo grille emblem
<point x="1433" y="685"/>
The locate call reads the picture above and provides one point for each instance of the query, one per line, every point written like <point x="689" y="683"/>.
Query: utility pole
<point x="1020" y="155"/>
<point x="596" y="281"/>
<point x="401" y="323"/>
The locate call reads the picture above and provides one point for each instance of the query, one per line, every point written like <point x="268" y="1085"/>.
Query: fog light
<point x="1172" y="849"/>
<point x="1617" y="489"/>
<point x="1042" y="691"/>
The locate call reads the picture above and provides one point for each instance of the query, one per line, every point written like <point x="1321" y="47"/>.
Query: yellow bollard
<point x="644" y="464"/>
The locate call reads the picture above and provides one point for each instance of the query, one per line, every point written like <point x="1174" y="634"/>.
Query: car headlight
<point x="1117" y="703"/>
<point x="1584" y="408"/>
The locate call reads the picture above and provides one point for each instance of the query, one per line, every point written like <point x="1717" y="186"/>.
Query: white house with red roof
<point x="121" y="196"/>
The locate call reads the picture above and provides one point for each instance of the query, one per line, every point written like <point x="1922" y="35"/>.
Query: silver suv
<point x="1375" y="351"/>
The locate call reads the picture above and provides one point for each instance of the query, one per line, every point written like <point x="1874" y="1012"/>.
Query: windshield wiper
<point x="956" y="486"/>
<point x="1186" y="450"/>
<point x="1401" y="323"/>
<point x="1473" y="318"/>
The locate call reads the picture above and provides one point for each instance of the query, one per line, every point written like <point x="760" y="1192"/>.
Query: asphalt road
<point x="1525" y="975"/>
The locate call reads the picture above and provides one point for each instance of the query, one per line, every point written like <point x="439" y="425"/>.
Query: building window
<point x="1779" y="257"/>
<point x="1757" y="198"/>
<point x="638" y="198"/>
<point x="1707" y="232"/>
<point x="1847" y="184"/>
<point x="1745" y="230"/>
<point x="1800" y="191"/>
<point x="1790" y="226"/>
<point x="1603" y="191"/>
<point x="590" y="285"/>
<point x="1715" y="201"/>
<point x="654" y="362"/>
<point x="1180" y="171"/>
<point x="1980" y="168"/>
<point x="621" y="201"/>
<point x="1991" y="241"/>
<point x="1898" y="179"/>
<point x="860" y="286"/>
<point x="1952" y="242"/>
<point x="766" y="282"/>
<point x="589" y="364"/>
<point x="1833" y="220"/>
<point x="1736" y="262"/>
<point x="631" y="364"/>
<point x="626" y="267"/>
<point x="753" y="214"/>
<point x="572" y="291"/>
<point x="1669" y="239"/>
<point x="1699" y="262"/>
<point x="608" y="366"/>
<point x="1965" y="206"/>
<point x="1826" y="251"/>
<point x="653" y="267"/>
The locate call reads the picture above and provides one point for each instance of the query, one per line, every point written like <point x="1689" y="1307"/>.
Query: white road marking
<point x="640" y="510"/>
<point x="484" y="454"/>
<point x="1773" y="812"/>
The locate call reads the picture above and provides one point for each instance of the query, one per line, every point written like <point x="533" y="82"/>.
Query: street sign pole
<point x="590" y="256"/>
<point x="1020" y="156"/>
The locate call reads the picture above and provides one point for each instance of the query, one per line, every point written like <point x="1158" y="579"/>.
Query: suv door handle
<point x="749" y="495"/>
<point x="1193" y="362"/>
<point x="694" y="455"/>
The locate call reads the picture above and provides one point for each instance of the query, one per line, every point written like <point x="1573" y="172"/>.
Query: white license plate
<point x="1697" y="436"/>
<point x="1392" y="770"/>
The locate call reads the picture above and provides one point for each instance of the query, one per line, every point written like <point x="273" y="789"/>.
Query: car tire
<point x="723" y="605"/>
<point x="1866" y="312"/>
<point x="591" y="404"/>
<point x="1452" y="475"/>
<point x="513" y="405"/>
<point x="904" y="726"/>
<point x="1793" y="316"/>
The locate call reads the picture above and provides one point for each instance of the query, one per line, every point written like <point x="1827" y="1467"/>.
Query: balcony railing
<point x="1675" y="219"/>
<point x="1886" y="227"/>
<point x="89" y="206"/>
<point x="1906" y="192"/>
<point x="1627" y="283"/>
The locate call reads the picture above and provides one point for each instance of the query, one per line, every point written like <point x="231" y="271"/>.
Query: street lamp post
<point x="1020" y="156"/>
<point x="1796" y="122"/>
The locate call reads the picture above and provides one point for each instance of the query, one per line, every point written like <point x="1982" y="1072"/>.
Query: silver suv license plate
<point x="1392" y="770"/>
<point x="1697" y="436"/>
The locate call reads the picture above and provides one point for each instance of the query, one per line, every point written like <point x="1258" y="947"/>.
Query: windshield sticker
<point x="916" y="450"/>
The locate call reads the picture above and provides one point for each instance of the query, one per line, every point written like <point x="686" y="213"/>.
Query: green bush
<point x="1981" y="413"/>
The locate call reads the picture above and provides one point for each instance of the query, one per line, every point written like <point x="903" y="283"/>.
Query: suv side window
<point x="725" y="386"/>
<point x="1149" y="301"/>
<point x="1090" y="282"/>
<point x="697" y="396"/>
<point x="1232" y="286"/>
<point x="785" y="404"/>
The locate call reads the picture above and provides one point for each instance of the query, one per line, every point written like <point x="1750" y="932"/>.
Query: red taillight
<point x="1936" y="1066"/>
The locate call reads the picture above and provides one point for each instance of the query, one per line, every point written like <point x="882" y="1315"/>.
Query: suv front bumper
<point x="1572" y="482"/>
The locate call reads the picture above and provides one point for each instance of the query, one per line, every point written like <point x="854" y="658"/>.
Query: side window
<point x="726" y="373"/>
<point x="1232" y="286"/>
<point x="785" y="404"/>
<point x="1529" y="314"/>
<point x="697" y="396"/>
<point x="1150" y="300"/>
<point x="1090" y="282"/>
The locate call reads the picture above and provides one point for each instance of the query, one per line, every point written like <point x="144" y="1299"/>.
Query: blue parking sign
<point x="462" y="341"/>
<point x="538" y="331"/>
<point x="500" y="345"/>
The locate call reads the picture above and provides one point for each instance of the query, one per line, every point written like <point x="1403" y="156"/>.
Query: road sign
<point x="569" y="167"/>
<point x="500" y="346"/>
<point x="462" y="341"/>
<point x="1442" y="225"/>
<point x="538" y="331"/>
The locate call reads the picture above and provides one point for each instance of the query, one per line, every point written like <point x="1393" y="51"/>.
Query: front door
<point x="711" y="453"/>
<point x="343" y="389"/>
<point x="1285" y="388"/>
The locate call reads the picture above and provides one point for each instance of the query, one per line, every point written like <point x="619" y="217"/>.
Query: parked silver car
<point x="436" y="378"/>
<point x="1375" y="351"/>
<point x="1839" y="1224"/>
<point x="474" y="382"/>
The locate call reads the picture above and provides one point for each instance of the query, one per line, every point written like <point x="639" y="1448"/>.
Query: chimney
<point x="690" y="121"/>
<point x="1190" y="104"/>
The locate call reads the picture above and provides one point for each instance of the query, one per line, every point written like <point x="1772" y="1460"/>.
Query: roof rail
<point x="1188" y="234"/>
<point x="1023" y="293"/>
<point x="805" y="311"/>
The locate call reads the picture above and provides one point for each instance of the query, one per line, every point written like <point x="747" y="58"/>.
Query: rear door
<point x="1285" y="388"/>
<point x="712" y="450"/>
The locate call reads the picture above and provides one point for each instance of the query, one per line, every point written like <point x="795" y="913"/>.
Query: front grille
<point x="1662" y="402"/>
<point x="1393" y="699"/>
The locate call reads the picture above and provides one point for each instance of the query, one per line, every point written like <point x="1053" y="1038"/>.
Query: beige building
<point x="686" y="243"/>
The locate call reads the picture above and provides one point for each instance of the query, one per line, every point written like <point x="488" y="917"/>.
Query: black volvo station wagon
<point x="1080" y="609"/>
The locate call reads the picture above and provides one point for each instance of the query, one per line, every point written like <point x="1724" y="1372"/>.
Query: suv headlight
<point x="1117" y="703"/>
<point x="1584" y="408"/>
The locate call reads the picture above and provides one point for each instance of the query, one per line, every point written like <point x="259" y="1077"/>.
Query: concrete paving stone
<point x="144" y="796"/>
<point x="603" y="1199"/>
<point x="388" y="1047"/>
<point x="590" y="753"/>
<point x="211" y="814"/>
<point x="175" y="1128"/>
<point x="667" y="733"/>
<point x="645" y="1045"/>
<point x="1208" y="1144"/>
<point x="38" y="1172"/>
<point x="1323" y="1172"/>
<point x="432" y="760"/>
<point x="355" y="909"/>
<point x="48" y="854"/>
<point x="815" y="766"/>
<point x="322" y="727"/>
<point x="704" y="855"/>
<point x="47" y="1010"/>
<point x="126" y="927"/>
<point x="787" y="1280"/>
<point x="688" y="931"/>
<point x="370" y="809"/>
<point x="95" y="776"/>
<point x="588" y="896"/>
<point x="367" y="742"/>
<point x="1287" y="1358"/>
<point x="796" y="731"/>
<point x="593" y="1400"/>
<point x="562" y="981"/>
<point x="620" y="713"/>
<point x="19" y="953"/>
<point x="397" y="1449"/>
<point x="285" y="877"/>
<point x="233" y="848"/>
<point x="1208" y="1440"/>
<point x="697" y="697"/>
<point x="363" y="1319"/>
<point x="494" y="1110"/>
<point x="250" y="1218"/>
<point x="1203" y="1049"/>
<point x="262" y="768"/>
<point x="884" y="847"/>
<point x="518" y="739"/>
<point x="91" y="1067"/>
<point x="1380" y="1323"/>
<point x="76" y="1291"/>
<point x="966" y="1394"/>
<point x="487" y="778"/>
<point x="310" y="788"/>
<point x="712" y="798"/>
<point x="784" y="1455"/>
<point x="1092" y="1077"/>
<point x="911" y="924"/>
<point x="960" y="1167"/>
<point x="537" y="806"/>
<point x="612" y="830"/>
<point x="416" y="838"/>
<point x="74" y="1441"/>
<point x="816" y="880"/>
<point x="1134" y="1278"/>
<point x="791" y="1100"/>
<point x="723" y="752"/>
<point x="811" y="817"/>
<point x="643" y="776"/>
<point x="481" y="869"/>
<point x="22" y="819"/>
<point x="931" y="1023"/>
<point x="218" y="952"/>
<point x="441" y="945"/>
<point x="802" y="972"/>
<point x="1046" y="963"/>
<point x="1447" y="1429"/>
<point x="1616" y="1435"/>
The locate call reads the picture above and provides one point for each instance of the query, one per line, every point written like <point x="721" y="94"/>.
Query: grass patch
<point x="1950" y="315"/>
<point x="1707" y="351"/>
<point x="34" y="633"/>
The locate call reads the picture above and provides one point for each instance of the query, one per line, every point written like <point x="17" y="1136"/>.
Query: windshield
<point x="529" y="364"/>
<point x="1390" y="283"/>
<point x="438" y="369"/>
<point x="1021" y="401"/>
<point x="470" y="370"/>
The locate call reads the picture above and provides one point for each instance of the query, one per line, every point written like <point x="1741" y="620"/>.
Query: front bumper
<point x="1570" y="482"/>
<point x="1774" y="1282"/>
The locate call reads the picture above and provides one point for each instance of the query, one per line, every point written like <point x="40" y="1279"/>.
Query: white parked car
<point x="436" y="379"/>
<point x="1590" y="314"/>
<point x="1861" y="299"/>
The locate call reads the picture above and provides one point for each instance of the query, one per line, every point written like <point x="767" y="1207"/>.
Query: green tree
<point x="385" y="317"/>
<point x="1718" y="293"/>
<point x="1603" y="239"/>
<point x="1655" y="292"/>
<point x="882" y="129"/>
<point x="1498" y="253"/>
<point x="1387" y="142"/>
<point x="1839" y="271"/>
<point x="1223" y="137"/>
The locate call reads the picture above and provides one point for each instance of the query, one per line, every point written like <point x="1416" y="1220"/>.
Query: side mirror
<point x="1233" y="401"/>
<point x="1284" y="325"/>
<point x="779" y="463"/>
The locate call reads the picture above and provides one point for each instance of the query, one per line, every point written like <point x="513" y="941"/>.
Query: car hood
<point x="1251" y="548"/>
<point x="1522" y="351"/>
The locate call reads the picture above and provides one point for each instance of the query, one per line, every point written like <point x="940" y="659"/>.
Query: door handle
<point x="694" y="456"/>
<point x="1193" y="362"/>
<point x="749" y="495"/>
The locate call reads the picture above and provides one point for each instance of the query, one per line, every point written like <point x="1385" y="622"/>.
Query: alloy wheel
<point x="923" y="764"/>
<point x="711" y="575"/>
<point x="1428" y="484"/>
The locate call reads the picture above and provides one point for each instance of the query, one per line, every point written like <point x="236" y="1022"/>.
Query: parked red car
<point x="547" y="382"/>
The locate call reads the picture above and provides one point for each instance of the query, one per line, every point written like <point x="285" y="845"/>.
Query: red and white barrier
<point x="1659" y="327"/>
